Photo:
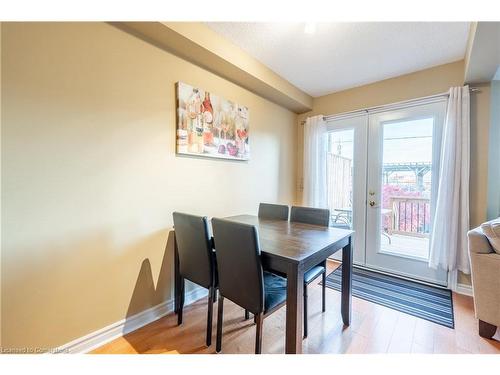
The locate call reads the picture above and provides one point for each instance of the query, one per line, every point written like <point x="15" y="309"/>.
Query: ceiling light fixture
<point x="310" y="28"/>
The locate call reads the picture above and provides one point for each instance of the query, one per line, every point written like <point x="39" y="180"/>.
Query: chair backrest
<point x="239" y="265"/>
<point x="309" y="215"/>
<point x="273" y="211"/>
<point x="196" y="259"/>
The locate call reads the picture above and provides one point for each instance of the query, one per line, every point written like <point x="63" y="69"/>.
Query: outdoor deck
<point x="406" y="245"/>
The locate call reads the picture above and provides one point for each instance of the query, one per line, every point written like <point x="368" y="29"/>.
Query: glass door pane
<point x="406" y="187"/>
<point x="340" y="172"/>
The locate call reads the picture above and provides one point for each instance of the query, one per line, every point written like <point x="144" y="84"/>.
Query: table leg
<point x="346" y="301"/>
<point x="294" y="296"/>
<point x="176" y="277"/>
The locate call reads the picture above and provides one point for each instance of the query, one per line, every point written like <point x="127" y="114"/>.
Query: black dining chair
<point x="241" y="277"/>
<point x="316" y="216"/>
<point x="273" y="211"/>
<point x="197" y="261"/>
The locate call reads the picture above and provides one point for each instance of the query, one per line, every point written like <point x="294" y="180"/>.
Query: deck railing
<point x="409" y="216"/>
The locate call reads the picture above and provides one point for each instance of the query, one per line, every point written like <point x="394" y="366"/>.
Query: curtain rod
<point x="359" y="111"/>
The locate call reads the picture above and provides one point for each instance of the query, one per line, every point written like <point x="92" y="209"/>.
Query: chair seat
<point x="313" y="273"/>
<point x="274" y="291"/>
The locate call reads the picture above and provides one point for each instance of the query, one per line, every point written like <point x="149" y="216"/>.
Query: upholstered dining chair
<point x="241" y="277"/>
<point x="197" y="261"/>
<point x="273" y="211"/>
<point x="315" y="216"/>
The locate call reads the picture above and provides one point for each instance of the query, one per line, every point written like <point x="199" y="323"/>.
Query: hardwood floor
<point x="374" y="329"/>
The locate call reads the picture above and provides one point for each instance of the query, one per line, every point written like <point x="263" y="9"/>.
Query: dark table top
<point x="291" y="240"/>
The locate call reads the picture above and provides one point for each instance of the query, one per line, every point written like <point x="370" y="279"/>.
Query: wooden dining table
<point x="292" y="248"/>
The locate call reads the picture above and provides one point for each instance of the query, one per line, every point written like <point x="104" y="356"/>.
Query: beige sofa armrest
<point x="478" y="243"/>
<point x="486" y="286"/>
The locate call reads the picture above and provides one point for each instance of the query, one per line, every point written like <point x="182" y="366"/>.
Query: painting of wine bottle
<point x="211" y="126"/>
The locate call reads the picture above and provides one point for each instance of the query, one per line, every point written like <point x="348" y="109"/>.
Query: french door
<point x="403" y="167"/>
<point x="394" y="160"/>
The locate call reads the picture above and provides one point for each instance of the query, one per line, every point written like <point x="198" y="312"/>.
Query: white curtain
<point x="315" y="149"/>
<point x="448" y="247"/>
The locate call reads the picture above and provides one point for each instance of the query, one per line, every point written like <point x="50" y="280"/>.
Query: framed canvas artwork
<point x="211" y="126"/>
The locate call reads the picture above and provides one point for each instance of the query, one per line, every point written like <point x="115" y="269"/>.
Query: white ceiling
<point x="339" y="56"/>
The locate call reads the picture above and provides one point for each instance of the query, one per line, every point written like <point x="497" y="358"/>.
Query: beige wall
<point x="414" y="85"/>
<point x="90" y="177"/>
<point x="480" y="125"/>
<point x="479" y="146"/>
<point x="423" y="83"/>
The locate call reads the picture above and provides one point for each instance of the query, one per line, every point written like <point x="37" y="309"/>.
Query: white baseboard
<point x="464" y="289"/>
<point x="115" y="330"/>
